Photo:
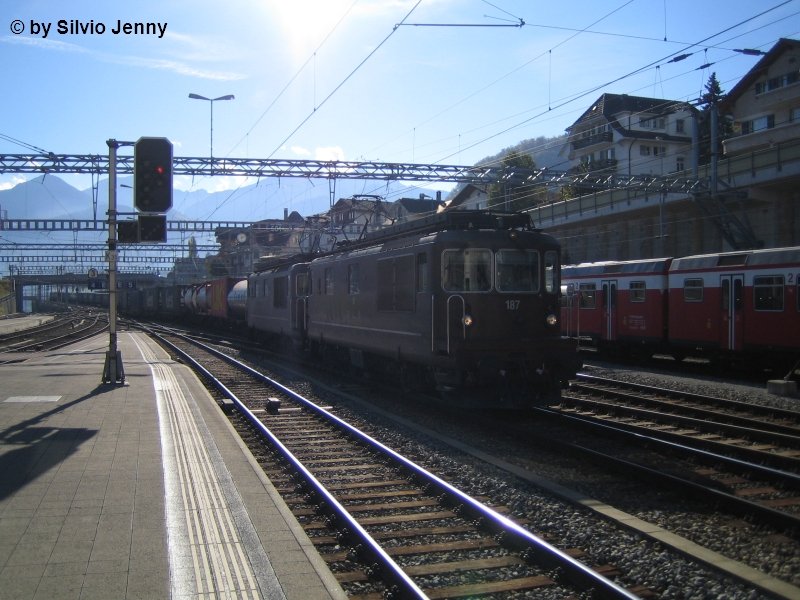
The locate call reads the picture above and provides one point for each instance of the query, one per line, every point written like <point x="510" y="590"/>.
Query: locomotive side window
<point x="280" y="292"/>
<point x="551" y="271"/>
<point x="637" y="291"/>
<point x="396" y="283"/>
<point x="518" y="271"/>
<point x="588" y="295"/>
<point x="353" y="279"/>
<point x="467" y="270"/>
<point x="768" y="292"/>
<point x="327" y="283"/>
<point x="692" y="290"/>
<point x="422" y="272"/>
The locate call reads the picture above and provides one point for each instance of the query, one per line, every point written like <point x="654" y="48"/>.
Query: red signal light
<point x="160" y="170"/>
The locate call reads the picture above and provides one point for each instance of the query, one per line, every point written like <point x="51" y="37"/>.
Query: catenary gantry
<point x="383" y="171"/>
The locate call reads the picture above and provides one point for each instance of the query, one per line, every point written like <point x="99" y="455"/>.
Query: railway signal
<point x="152" y="174"/>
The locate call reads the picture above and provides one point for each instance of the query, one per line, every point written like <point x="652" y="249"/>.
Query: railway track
<point x="386" y="526"/>
<point x="742" y="456"/>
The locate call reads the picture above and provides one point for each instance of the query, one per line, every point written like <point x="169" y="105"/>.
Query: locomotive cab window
<point x="768" y="293"/>
<point x="637" y="291"/>
<point x="467" y="270"/>
<point x="692" y="290"/>
<point x="551" y="283"/>
<point x="303" y="285"/>
<point x="518" y="270"/>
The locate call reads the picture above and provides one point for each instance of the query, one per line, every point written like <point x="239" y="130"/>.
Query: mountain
<point x="48" y="197"/>
<point x="44" y="197"/>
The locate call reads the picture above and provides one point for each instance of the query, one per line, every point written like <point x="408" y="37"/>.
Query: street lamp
<point x="211" y="103"/>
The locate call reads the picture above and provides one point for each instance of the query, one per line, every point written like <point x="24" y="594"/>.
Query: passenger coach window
<point x="551" y="271"/>
<point x="518" y="270"/>
<point x="768" y="292"/>
<point x="637" y="291"/>
<point x="588" y="295"/>
<point x="692" y="290"/>
<point x="467" y="270"/>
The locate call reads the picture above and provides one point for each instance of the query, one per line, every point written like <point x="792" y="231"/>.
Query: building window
<point x="653" y="123"/>
<point x="775" y="83"/>
<point x="680" y="163"/>
<point x="637" y="291"/>
<point x="644" y="150"/>
<point x="679" y="128"/>
<point x="759" y="124"/>
<point x="692" y="290"/>
<point x="768" y="292"/>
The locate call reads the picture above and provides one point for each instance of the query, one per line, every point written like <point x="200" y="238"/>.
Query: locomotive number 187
<point x="512" y="304"/>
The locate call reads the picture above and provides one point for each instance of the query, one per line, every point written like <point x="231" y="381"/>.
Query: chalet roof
<point x="782" y="46"/>
<point x="610" y="105"/>
<point x="419" y="205"/>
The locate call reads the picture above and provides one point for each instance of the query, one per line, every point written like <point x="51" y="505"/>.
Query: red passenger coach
<point x="737" y="302"/>
<point x="620" y="304"/>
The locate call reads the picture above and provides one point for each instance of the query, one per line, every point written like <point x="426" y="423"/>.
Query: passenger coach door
<point x="609" y="324"/>
<point x="732" y="317"/>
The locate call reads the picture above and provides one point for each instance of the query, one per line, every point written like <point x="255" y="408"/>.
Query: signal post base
<point x="113" y="371"/>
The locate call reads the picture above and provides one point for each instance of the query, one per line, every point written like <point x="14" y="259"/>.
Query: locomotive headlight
<point x="551" y="319"/>
<point x="467" y="320"/>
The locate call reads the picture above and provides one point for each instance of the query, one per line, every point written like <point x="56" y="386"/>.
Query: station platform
<point x="139" y="490"/>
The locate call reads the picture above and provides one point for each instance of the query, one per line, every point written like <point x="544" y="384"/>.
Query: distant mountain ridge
<point x="49" y="197"/>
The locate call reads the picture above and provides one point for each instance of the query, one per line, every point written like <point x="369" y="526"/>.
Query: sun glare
<point x="305" y="23"/>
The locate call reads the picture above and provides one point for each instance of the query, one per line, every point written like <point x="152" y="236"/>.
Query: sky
<point x="418" y="81"/>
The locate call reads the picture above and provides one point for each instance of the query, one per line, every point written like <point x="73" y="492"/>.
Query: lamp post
<point x="211" y="103"/>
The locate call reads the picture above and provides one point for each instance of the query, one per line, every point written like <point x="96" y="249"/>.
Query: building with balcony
<point x="765" y="104"/>
<point x="632" y="135"/>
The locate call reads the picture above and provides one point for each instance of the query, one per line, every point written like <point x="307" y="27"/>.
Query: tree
<point x="709" y="102"/>
<point x="713" y="94"/>
<point x="511" y="197"/>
